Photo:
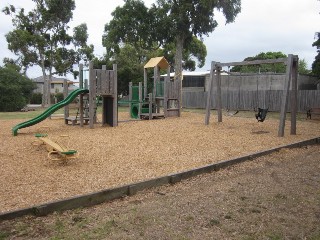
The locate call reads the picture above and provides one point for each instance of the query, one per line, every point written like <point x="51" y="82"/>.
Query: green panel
<point x="135" y="93"/>
<point x="159" y="89"/>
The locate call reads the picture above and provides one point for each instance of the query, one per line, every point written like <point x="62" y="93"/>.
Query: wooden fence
<point x="249" y="100"/>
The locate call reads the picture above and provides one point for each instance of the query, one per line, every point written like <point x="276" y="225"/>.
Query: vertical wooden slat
<point x="150" y="106"/>
<point x="166" y="93"/>
<point x="140" y="99"/>
<point x="111" y="84"/>
<point x="98" y="81"/>
<point x="115" y="95"/>
<point x="92" y="86"/>
<point x="145" y="81"/>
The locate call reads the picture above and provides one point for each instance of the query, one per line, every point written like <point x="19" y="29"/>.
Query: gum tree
<point x="40" y="37"/>
<point x="178" y="22"/>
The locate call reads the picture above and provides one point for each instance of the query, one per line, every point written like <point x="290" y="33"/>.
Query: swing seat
<point x="262" y="114"/>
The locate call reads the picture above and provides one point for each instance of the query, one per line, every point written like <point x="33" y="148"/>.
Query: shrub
<point x="36" y="98"/>
<point x="15" y="90"/>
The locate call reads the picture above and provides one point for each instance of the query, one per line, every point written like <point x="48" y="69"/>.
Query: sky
<point x="287" y="26"/>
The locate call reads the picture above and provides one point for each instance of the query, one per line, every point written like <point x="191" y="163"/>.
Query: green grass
<point x="245" y="114"/>
<point x="32" y="114"/>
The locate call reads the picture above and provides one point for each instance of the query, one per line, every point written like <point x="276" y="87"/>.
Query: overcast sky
<point x="288" y="26"/>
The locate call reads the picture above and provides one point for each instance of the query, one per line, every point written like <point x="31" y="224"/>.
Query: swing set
<point x="291" y="63"/>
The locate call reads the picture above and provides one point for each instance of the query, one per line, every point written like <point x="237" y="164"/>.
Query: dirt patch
<point x="272" y="197"/>
<point x="131" y="152"/>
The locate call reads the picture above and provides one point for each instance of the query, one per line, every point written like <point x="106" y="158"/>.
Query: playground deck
<point x="131" y="152"/>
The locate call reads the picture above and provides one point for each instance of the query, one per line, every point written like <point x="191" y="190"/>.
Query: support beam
<point x="115" y="95"/>
<point x="209" y="96"/>
<point x="92" y="96"/>
<point x="65" y="94"/>
<point x="284" y="100"/>
<point x="145" y="83"/>
<point x="294" y="95"/>
<point x="218" y="98"/>
<point x="81" y="96"/>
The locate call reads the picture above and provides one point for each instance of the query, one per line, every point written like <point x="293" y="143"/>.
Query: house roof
<point x="157" y="61"/>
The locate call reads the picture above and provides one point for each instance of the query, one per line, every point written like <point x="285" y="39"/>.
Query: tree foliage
<point x="176" y="26"/>
<point x="316" y="62"/>
<point x="40" y="37"/>
<point x="275" y="68"/>
<point x="15" y="90"/>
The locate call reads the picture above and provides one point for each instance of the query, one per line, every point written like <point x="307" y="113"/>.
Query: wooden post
<point x="145" y="83"/>
<point x="130" y="98"/>
<point x="92" y="83"/>
<point x="294" y="95"/>
<point x="218" y="99"/>
<point x="209" y="96"/>
<point x="155" y="76"/>
<point x="65" y="94"/>
<point x="140" y="100"/>
<point x="81" y="95"/>
<point x="284" y="100"/>
<point x="115" y="95"/>
<point x="103" y="83"/>
<point x="166" y="93"/>
<point x="150" y="106"/>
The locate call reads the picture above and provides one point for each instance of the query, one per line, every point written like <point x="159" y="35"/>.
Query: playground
<point x="133" y="151"/>
<point x="45" y="160"/>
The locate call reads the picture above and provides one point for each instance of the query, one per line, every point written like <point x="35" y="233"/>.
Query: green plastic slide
<point x="49" y="111"/>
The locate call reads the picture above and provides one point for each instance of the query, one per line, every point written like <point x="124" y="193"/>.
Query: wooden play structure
<point x="57" y="151"/>
<point x="103" y="83"/>
<point x="163" y="100"/>
<point x="291" y="63"/>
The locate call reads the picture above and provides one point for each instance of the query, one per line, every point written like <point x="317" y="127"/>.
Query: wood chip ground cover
<point x="132" y="152"/>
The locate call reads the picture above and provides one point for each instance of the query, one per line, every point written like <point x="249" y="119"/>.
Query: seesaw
<point x="56" y="150"/>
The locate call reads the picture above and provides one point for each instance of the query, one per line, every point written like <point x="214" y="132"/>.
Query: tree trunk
<point x="178" y="58"/>
<point x="45" y="85"/>
<point x="178" y="64"/>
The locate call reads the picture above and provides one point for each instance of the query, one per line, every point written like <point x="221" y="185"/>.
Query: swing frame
<point x="291" y="79"/>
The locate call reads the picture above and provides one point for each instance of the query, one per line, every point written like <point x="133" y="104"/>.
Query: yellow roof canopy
<point x="161" y="62"/>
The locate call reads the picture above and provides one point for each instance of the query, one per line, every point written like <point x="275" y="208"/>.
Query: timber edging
<point x="131" y="189"/>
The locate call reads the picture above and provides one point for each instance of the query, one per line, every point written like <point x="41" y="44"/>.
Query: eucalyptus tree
<point x="167" y="22"/>
<point x="40" y="37"/>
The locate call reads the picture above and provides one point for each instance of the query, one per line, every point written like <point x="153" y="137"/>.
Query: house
<point x="57" y="84"/>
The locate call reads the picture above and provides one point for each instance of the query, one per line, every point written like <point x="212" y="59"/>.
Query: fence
<point x="249" y="100"/>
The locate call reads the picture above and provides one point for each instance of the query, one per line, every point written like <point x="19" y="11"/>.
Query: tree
<point x="276" y="67"/>
<point x="303" y="67"/>
<point x="178" y="22"/>
<point x="40" y="38"/>
<point x="316" y="63"/>
<point x="15" y="89"/>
